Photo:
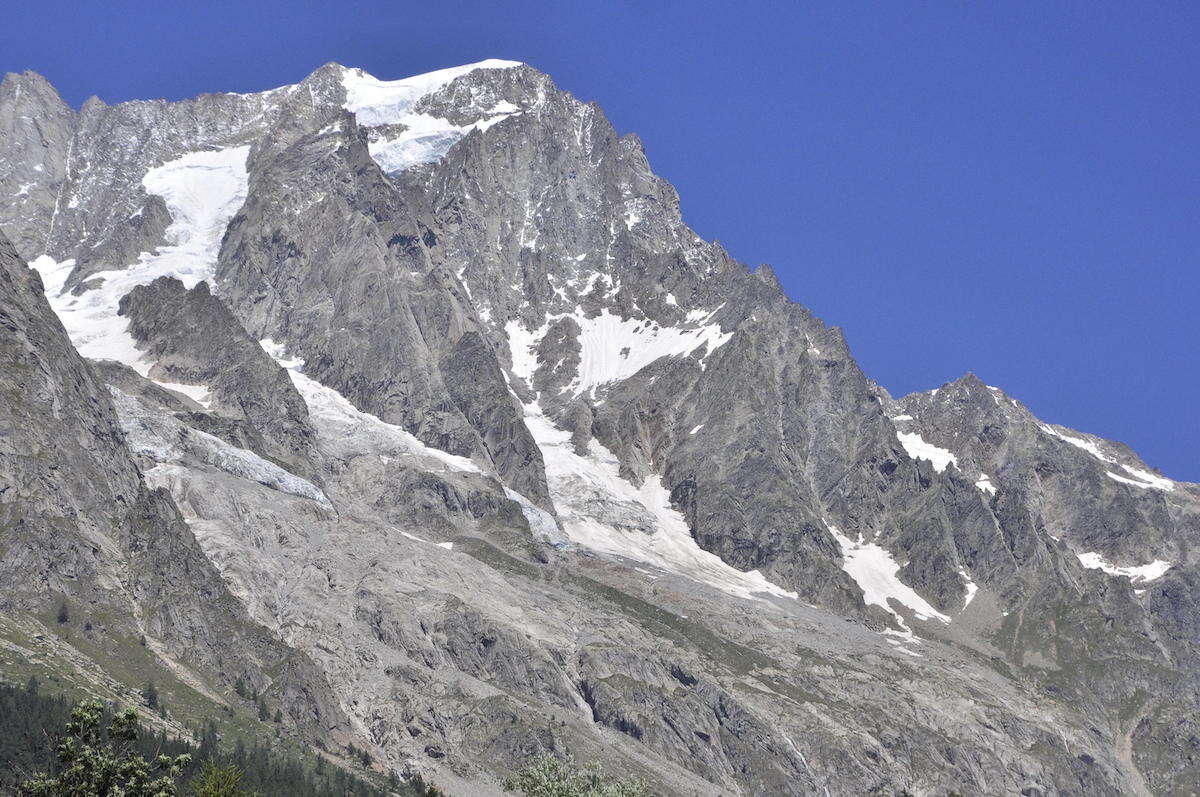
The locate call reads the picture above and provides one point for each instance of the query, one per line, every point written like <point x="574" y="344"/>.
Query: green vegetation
<point x="99" y="757"/>
<point x="150" y="695"/>
<point x="102" y="753"/>
<point x="548" y="776"/>
<point x="218" y="781"/>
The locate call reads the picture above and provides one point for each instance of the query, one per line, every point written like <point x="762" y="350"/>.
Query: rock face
<point x="428" y="384"/>
<point x="195" y="340"/>
<point x="82" y="529"/>
<point x="37" y="128"/>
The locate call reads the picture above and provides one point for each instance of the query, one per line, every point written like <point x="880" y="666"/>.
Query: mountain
<point x="426" y="388"/>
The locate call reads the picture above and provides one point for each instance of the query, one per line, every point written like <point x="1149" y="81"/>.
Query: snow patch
<point x="970" y="586"/>
<point x="449" y="546"/>
<point x="613" y="348"/>
<point x="522" y="343"/>
<point x="696" y="429"/>
<point x="197" y="393"/>
<point x="917" y="448"/>
<point x="1123" y="480"/>
<point x="278" y="353"/>
<point x="875" y="571"/>
<point x="602" y="511"/>
<point x="1137" y="574"/>
<point x="984" y="483"/>
<point x="1144" y="478"/>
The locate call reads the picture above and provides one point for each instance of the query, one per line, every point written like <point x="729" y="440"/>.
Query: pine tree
<point x="218" y="781"/>
<point x="64" y="613"/>
<point x="150" y="695"/>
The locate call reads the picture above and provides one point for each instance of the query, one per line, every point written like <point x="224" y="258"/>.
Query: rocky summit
<point x="414" y="409"/>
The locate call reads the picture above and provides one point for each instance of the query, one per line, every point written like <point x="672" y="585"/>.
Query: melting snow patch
<point x="970" y="585"/>
<point x="984" y="483"/>
<point x="875" y="571"/>
<point x="917" y="448"/>
<point x="604" y="512"/>
<point x="202" y="191"/>
<point x="1137" y="574"/>
<point x="696" y="429"/>
<point x="613" y="348"/>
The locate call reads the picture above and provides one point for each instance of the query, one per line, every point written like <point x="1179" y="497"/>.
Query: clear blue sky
<point x="1010" y="188"/>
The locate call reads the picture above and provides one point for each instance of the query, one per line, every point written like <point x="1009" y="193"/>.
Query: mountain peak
<point x="475" y="420"/>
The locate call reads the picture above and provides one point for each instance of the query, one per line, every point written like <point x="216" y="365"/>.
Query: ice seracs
<point x="169" y="442"/>
<point x="424" y="138"/>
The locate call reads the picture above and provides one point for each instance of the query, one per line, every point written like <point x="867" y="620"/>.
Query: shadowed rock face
<point x="195" y="340"/>
<point x="516" y="440"/>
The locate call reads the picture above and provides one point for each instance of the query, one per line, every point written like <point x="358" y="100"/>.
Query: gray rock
<point x="642" y="417"/>
<point x="194" y="340"/>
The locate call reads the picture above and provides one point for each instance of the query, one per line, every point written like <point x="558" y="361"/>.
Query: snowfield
<point x="613" y="348"/>
<point x="202" y="191"/>
<point x="425" y="138"/>
<point x="601" y="510"/>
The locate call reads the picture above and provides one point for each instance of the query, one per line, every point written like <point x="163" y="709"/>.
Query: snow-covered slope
<point x="202" y="192"/>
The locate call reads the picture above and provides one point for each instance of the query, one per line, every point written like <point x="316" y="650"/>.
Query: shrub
<point x="548" y="776"/>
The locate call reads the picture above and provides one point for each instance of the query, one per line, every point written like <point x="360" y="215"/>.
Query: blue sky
<point x="1007" y="188"/>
